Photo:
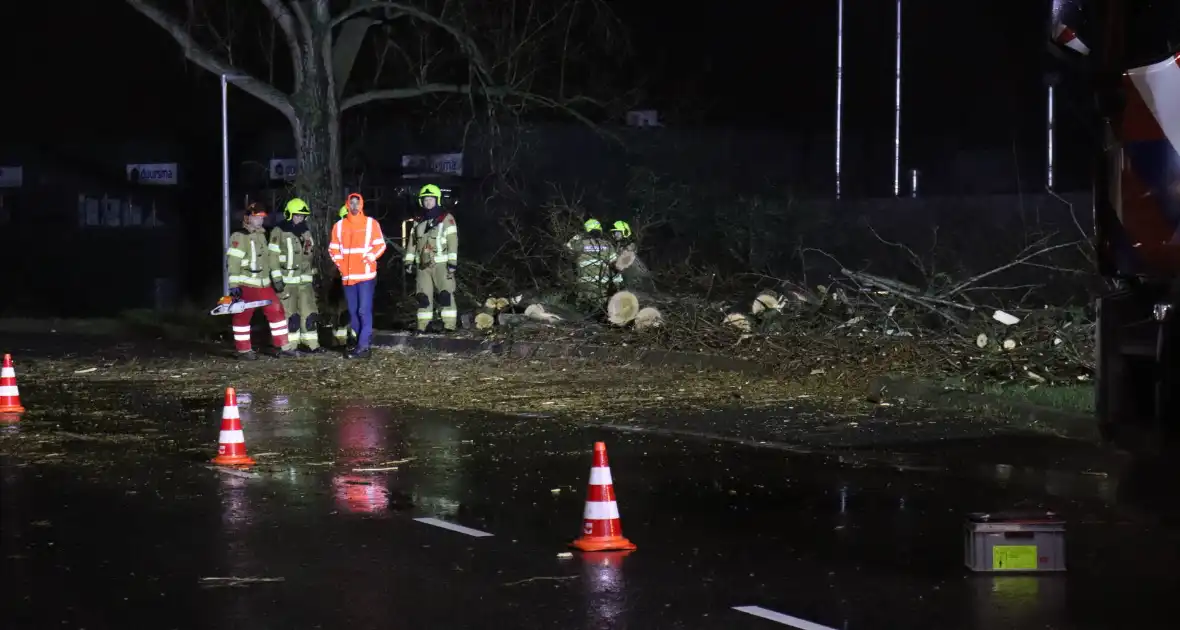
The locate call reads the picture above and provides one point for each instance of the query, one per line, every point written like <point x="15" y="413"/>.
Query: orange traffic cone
<point x="231" y="444"/>
<point x="9" y="394"/>
<point x="602" y="530"/>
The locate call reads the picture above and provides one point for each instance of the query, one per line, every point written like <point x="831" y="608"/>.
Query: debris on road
<point x="233" y="582"/>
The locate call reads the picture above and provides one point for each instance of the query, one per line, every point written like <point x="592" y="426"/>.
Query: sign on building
<point x="12" y="176"/>
<point x="417" y="165"/>
<point x="643" y="118"/>
<point x="284" y="169"/>
<point x="153" y="174"/>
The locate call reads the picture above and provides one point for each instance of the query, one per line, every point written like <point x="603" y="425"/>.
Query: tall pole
<point x="897" y="110"/>
<point x="839" y="86"/>
<point x="1049" y="150"/>
<point x="224" y="183"/>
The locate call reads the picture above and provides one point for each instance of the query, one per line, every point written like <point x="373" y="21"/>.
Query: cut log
<point x="635" y="273"/>
<point x="648" y="317"/>
<point x="484" y="319"/>
<point x="503" y="303"/>
<point x="490" y="303"/>
<point x="626" y="258"/>
<point x="766" y="301"/>
<point x="520" y="321"/>
<point x="622" y="308"/>
<point x="538" y="313"/>
<point x="738" y="321"/>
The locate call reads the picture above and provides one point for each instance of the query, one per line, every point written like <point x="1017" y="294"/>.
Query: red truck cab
<point x="1128" y="54"/>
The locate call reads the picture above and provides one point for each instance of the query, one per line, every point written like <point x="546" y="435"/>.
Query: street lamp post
<point x="225" y="79"/>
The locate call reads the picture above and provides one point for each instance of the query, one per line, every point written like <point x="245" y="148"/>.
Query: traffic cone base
<point x="9" y="393"/>
<point x="613" y="543"/>
<point x="231" y="443"/>
<point x="602" y="529"/>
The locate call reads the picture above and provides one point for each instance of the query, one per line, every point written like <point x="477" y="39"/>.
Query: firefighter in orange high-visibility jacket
<point x="434" y="254"/>
<point x="357" y="243"/>
<point x="250" y="280"/>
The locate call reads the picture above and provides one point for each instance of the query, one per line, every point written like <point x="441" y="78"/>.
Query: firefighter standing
<point x="291" y="260"/>
<point x="593" y="258"/>
<point x="434" y="254"/>
<point x="342" y="329"/>
<point x="620" y="233"/>
<point x="250" y="279"/>
<point x="357" y="243"/>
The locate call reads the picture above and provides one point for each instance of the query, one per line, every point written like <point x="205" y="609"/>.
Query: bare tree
<point x="424" y="49"/>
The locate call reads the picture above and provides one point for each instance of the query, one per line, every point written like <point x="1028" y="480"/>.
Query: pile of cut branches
<point x="857" y="322"/>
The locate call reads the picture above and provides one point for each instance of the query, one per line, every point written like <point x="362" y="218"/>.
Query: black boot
<point x="287" y="354"/>
<point x="359" y="353"/>
<point x="248" y="355"/>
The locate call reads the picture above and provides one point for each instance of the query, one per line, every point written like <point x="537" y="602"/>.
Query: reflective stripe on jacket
<point x="357" y="243"/>
<point x="435" y="242"/>
<point x="248" y="258"/>
<point x="291" y="256"/>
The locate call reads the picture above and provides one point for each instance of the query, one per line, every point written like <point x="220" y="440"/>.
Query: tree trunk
<point x="317" y="144"/>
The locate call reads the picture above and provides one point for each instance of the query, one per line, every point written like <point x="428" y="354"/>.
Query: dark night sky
<point x="972" y="73"/>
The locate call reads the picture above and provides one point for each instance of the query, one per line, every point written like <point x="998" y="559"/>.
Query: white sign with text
<point x="153" y="174"/>
<point x="439" y="163"/>
<point x="284" y="168"/>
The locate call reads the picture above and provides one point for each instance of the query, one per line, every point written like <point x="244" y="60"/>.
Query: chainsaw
<point x="229" y="306"/>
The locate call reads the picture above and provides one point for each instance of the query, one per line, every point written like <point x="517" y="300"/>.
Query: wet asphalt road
<point x="143" y="534"/>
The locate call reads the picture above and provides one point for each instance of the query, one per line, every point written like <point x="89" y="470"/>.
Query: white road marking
<point x="786" y="620"/>
<point x="453" y="527"/>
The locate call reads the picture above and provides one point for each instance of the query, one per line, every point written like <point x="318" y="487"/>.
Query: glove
<point x="236" y="293"/>
<point x="410" y="268"/>
<point x="279" y="285"/>
<point x="451" y="271"/>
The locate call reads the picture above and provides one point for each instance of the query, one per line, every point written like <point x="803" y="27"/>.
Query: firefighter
<point x="620" y="233"/>
<point x="434" y="254"/>
<point x="342" y="330"/>
<point x="593" y="258"/>
<point x="620" y="236"/>
<point x="250" y="279"/>
<point x="357" y="243"/>
<point x="291" y="261"/>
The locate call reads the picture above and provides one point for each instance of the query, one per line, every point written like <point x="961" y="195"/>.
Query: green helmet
<point x="295" y="206"/>
<point x="592" y="225"/>
<point x="623" y="228"/>
<point x="343" y="211"/>
<point x="430" y="190"/>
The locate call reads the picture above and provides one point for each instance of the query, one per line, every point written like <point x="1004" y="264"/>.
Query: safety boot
<point x="358" y="353"/>
<point x="248" y="355"/>
<point x="287" y="354"/>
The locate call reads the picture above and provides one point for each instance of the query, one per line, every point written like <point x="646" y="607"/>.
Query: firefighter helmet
<point x="255" y="209"/>
<point x="622" y="227"/>
<point x="430" y="190"/>
<point x="592" y="225"/>
<point x="343" y="211"/>
<point x="295" y="206"/>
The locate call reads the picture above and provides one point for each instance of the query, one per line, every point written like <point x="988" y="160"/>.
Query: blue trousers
<point x="360" y="308"/>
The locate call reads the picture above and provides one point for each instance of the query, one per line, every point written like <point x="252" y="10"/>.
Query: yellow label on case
<point x="1014" y="557"/>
